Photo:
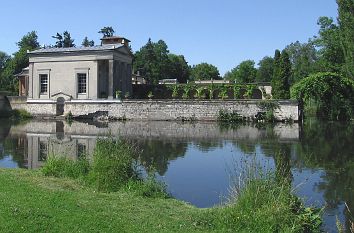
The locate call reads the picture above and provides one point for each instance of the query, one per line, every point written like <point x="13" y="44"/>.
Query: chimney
<point x="115" y="40"/>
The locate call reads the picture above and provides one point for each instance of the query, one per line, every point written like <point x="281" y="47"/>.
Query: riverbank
<point x="32" y="202"/>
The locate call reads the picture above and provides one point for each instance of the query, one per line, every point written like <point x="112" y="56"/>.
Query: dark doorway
<point x="257" y="94"/>
<point x="60" y="106"/>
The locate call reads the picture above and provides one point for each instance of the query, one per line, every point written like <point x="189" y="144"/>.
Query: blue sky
<point x="223" y="32"/>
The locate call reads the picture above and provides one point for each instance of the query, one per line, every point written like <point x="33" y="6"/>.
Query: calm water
<point x="199" y="161"/>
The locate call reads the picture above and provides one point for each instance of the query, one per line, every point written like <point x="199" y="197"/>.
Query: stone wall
<point x="180" y="109"/>
<point x="161" y="110"/>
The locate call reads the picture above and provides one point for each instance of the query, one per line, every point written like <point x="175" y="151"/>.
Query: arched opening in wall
<point x="60" y="106"/>
<point x="241" y="93"/>
<point x="257" y="94"/>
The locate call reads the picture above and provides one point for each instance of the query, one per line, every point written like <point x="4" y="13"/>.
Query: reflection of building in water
<point x="40" y="146"/>
<point x="78" y="139"/>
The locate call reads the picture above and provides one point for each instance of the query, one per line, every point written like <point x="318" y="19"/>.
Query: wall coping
<point x="40" y="101"/>
<point x="98" y="101"/>
<point x="160" y="101"/>
<point x="250" y="101"/>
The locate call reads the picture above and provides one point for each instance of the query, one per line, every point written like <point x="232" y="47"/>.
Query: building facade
<point x="86" y="74"/>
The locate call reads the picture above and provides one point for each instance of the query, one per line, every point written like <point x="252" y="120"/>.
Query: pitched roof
<point x="77" y="49"/>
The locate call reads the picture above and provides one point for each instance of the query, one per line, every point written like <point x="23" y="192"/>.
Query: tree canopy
<point x="265" y="69"/>
<point x="245" y="72"/>
<point x="3" y="59"/>
<point x="179" y="68"/>
<point x="281" y="75"/>
<point x="63" y="40"/>
<point x="87" y="43"/>
<point x="15" y="64"/>
<point x="333" y="93"/>
<point x="303" y="58"/>
<point x="106" y="31"/>
<point x="346" y="26"/>
<point x="205" y="71"/>
<point x="155" y="62"/>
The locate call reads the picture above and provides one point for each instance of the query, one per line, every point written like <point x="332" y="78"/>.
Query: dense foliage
<point x="15" y="64"/>
<point x="281" y="75"/>
<point x="198" y="91"/>
<point x="205" y="71"/>
<point x="243" y="73"/>
<point x="346" y="25"/>
<point x="87" y="43"/>
<point x="333" y="93"/>
<point x="107" y="31"/>
<point x="265" y="69"/>
<point x="63" y="40"/>
<point x="303" y="57"/>
<point x="155" y="62"/>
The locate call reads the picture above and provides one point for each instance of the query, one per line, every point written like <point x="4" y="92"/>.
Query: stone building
<point x="84" y="74"/>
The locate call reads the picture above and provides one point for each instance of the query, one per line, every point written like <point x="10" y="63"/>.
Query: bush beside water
<point x="112" y="169"/>
<point x="264" y="202"/>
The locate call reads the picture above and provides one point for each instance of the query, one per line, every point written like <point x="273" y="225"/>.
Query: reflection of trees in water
<point x="208" y="145"/>
<point x="330" y="146"/>
<point x="15" y="147"/>
<point x="245" y="146"/>
<point x="157" y="154"/>
<point x="11" y="146"/>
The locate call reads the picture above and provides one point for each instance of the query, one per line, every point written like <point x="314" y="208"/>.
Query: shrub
<point x="63" y="167"/>
<point x="113" y="168"/>
<point x="21" y="114"/>
<point x="263" y="203"/>
<point x="113" y="165"/>
<point x="268" y="107"/>
<point x="230" y="117"/>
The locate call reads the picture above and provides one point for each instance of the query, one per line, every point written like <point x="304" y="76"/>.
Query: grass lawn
<point x="31" y="202"/>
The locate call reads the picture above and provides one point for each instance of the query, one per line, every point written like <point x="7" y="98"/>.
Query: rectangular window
<point x="43" y="78"/>
<point x="81" y="82"/>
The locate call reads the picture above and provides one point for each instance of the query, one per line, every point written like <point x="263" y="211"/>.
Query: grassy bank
<point x="108" y="195"/>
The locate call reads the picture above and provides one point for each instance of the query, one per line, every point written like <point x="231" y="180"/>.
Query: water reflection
<point x="193" y="159"/>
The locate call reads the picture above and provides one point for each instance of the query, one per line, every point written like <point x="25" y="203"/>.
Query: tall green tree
<point x="245" y="72"/>
<point x="87" y="43"/>
<point x="152" y="61"/>
<point x="163" y="62"/>
<point x="284" y="75"/>
<point x="59" y="42"/>
<point x="3" y="59"/>
<point x="265" y="69"/>
<point x="29" y="41"/>
<point x="281" y="75"/>
<point x="106" y="31"/>
<point x="205" y="71"/>
<point x="19" y="61"/>
<point x="155" y="62"/>
<point x="330" y="51"/>
<point x="346" y="26"/>
<point x="67" y="40"/>
<point x="303" y="57"/>
<point x="63" y="40"/>
<point x="179" y="68"/>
